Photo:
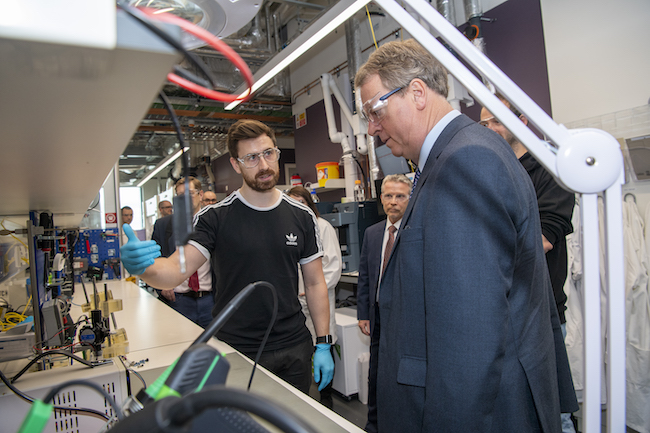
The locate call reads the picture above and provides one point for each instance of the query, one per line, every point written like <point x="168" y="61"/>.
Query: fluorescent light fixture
<point x="327" y="23"/>
<point x="161" y="165"/>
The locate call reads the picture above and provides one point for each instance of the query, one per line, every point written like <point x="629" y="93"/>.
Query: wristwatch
<point x="325" y="339"/>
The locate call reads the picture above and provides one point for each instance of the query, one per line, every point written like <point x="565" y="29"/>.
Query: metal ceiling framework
<point x="204" y="121"/>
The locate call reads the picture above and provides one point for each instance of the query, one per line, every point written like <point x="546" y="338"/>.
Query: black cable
<point x="268" y="329"/>
<point x="75" y="410"/>
<point x="48" y="353"/>
<point x="177" y="126"/>
<point x="55" y="390"/>
<point x="193" y="58"/>
<point x="129" y="369"/>
<point x="82" y="319"/>
<point x="228" y="311"/>
<point x="191" y="77"/>
<point x="182" y="411"/>
<point x="139" y="376"/>
<point x="363" y="174"/>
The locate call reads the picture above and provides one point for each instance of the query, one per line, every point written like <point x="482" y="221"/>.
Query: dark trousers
<point x="371" y="424"/>
<point x="198" y="310"/>
<point x="291" y="364"/>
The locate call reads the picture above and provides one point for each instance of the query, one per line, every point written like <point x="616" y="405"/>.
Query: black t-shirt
<point x="247" y="244"/>
<point x="555" y="212"/>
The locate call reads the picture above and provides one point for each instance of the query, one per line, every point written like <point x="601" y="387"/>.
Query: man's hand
<point x="547" y="245"/>
<point x="169" y="295"/>
<point x="364" y="325"/>
<point x="136" y="255"/>
<point x="323" y="365"/>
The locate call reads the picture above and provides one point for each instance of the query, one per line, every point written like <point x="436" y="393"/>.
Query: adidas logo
<point x="291" y="239"/>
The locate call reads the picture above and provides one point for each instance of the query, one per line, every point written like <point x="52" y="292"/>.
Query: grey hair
<point x="398" y="63"/>
<point x="396" y="178"/>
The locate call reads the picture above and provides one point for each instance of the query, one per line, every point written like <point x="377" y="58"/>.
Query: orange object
<point x="326" y="170"/>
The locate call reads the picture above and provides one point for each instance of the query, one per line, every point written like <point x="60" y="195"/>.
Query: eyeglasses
<point x="375" y="110"/>
<point x="210" y="200"/>
<point x="166" y="207"/>
<point x="397" y="197"/>
<point x="253" y="159"/>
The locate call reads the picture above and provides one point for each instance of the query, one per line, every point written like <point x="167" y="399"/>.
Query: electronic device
<point x="351" y="221"/>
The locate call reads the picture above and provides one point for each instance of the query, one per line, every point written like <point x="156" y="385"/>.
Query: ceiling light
<point x="161" y="165"/>
<point x="328" y="22"/>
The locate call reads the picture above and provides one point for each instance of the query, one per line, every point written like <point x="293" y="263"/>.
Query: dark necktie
<point x="194" y="282"/>
<point x="389" y="246"/>
<point x="415" y="180"/>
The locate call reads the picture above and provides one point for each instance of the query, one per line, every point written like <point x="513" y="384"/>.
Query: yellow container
<point x="326" y="170"/>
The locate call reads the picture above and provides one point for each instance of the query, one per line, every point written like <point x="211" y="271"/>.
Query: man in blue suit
<point x="377" y="242"/>
<point x="470" y="340"/>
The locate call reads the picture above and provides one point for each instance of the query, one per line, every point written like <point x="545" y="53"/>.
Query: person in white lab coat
<point x="332" y="266"/>
<point x="637" y="312"/>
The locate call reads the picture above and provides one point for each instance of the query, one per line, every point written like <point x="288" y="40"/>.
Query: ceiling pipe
<point x="253" y="38"/>
<point x="473" y="14"/>
<point x="302" y="4"/>
<point x="365" y="144"/>
<point x="447" y="10"/>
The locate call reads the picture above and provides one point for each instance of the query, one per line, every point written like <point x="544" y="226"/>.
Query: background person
<point x="395" y="191"/>
<point x="209" y="198"/>
<point x="165" y="208"/>
<point x="332" y="267"/>
<point x="193" y="298"/>
<point x="555" y="213"/>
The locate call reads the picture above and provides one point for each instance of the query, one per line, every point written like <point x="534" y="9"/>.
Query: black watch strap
<point x="325" y="339"/>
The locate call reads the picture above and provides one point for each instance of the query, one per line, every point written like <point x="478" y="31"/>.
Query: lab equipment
<point x="351" y="221"/>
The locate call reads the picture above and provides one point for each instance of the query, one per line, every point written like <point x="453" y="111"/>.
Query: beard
<point x="260" y="186"/>
<point x="510" y="138"/>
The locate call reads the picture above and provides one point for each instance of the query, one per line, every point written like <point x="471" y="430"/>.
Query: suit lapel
<point x="440" y="145"/>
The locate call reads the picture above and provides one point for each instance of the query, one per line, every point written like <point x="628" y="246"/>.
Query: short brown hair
<point x="245" y="129"/>
<point x="397" y="63"/>
<point x="193" y="182"/>
<point x="301" y="191"/>
<point x="508" y="104"/>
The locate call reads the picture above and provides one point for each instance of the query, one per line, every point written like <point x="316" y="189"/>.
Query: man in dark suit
<point x="469" y="340"/>
<point x="377" y="242"/>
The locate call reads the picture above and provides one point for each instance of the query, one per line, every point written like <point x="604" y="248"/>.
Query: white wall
<point x="598" y="56"/>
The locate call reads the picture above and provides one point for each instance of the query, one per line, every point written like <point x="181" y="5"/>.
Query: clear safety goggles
<point x="252" y="160"/>
<point x="374" y="110"/>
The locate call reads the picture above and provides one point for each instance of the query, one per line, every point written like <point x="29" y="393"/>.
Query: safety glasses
<point x="374" y="110"/>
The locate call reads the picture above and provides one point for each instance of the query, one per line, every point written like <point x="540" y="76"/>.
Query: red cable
<point x="215" y="43"/>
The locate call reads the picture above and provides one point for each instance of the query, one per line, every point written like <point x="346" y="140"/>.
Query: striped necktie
<point x="389" y="246"/>
<point x="415" y="180"/>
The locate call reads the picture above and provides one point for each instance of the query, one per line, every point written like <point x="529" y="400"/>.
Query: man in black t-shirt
<point x="257" y="233"/>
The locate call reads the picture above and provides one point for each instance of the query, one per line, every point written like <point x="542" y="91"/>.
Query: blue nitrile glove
<point x="323" y="365"/>
<point x="136" y="255"/>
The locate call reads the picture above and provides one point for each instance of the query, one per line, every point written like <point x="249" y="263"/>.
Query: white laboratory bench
<point x="159" y="335"/>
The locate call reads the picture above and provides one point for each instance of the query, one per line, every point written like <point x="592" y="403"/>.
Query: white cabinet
<point x="352" y="342"/>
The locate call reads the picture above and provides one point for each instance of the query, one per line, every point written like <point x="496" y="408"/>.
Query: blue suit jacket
<point x="469" y="339"/>
<point x="369" y="264"/>
<point x="163" y="235"/>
